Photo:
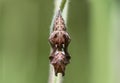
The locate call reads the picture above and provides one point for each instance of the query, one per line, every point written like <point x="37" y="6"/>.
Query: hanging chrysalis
<point x="59" y="40"/>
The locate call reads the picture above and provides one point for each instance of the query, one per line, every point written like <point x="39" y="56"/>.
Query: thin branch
<point x="63" y="6"/>
<point x="59" y="78"/>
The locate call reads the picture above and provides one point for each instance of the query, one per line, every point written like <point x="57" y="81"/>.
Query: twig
<point x="63" y="6"/>
<point x="59" y="78"/>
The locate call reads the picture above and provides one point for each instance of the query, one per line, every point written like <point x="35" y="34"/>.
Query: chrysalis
<point x="59" y="40"/>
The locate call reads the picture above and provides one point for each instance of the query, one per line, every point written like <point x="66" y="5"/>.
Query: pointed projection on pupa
<point x="59" y="24"/>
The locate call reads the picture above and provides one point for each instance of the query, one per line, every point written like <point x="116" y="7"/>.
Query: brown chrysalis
<point x="59" y="40"/>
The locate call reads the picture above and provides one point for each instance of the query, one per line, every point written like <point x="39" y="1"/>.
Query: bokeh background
<point x="94" y="27"/>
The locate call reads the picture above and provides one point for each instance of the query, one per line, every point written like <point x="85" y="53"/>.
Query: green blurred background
<point x="94" y="27"/>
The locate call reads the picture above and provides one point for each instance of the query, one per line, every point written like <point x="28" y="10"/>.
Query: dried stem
<point x="59" y="78"/>
<point x="63" y="6"/>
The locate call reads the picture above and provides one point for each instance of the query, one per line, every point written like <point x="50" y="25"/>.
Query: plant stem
<point x="63" y="6"/>
<point x="59" y="78"/>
